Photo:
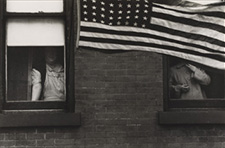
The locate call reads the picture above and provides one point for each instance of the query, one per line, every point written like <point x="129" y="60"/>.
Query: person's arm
<point x="36" y="85"/>
<point x="199" y="75"/>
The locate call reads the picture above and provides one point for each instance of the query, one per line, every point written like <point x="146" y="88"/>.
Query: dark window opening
<point x="24" y="63"/>
<point x="191" y="85"/>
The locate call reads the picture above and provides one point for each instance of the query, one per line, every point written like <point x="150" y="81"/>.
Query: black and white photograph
<point x="112" y="73"/>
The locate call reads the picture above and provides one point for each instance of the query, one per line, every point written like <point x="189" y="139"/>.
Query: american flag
<point x="195" y="34"/>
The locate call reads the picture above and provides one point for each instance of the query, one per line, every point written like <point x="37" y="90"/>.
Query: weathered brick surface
<point x="118" y="94"/>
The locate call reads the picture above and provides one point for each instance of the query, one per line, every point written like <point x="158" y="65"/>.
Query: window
<point x="193" y="93"/>
<point x="192" y="97"/>
<point x="190" y="85"/>
<point x="36" y="52"/>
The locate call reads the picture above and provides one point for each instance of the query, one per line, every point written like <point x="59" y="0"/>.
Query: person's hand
<point x="192" y="67"/>
<point x="185" y="88"/>
<point x="36" y="76"/>
<point x="182" y="88"/>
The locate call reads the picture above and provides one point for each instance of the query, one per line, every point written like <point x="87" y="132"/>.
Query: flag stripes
<point x="189" y="22"/>
<point x="196" y="35"/>
<point x="147" y="36"/>
<point x="128" y="40"/>
<point x="207" y="61"/>
<point x="192" y="37"/>
<point x="210" y="11"/>
<point x="195" y="17"/>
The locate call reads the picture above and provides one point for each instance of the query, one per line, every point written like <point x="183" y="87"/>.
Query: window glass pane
<point x="17" y="75"/>
<point x="189" y="81"/>
<point x="35" y="74"/>
<point x="34" y="6"/>
<point x="35" y="32"/>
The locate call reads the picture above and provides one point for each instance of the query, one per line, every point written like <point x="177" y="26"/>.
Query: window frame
<point x="210" y="111"/>
<point x="67" y="15"/>
<point x="178" y="103"/>
<point x="34" y="114"/>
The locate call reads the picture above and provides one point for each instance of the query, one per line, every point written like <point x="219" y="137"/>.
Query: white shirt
<point x="54" y="86"/>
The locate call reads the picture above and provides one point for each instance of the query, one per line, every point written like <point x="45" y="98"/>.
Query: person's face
<point x="50" y="56"/>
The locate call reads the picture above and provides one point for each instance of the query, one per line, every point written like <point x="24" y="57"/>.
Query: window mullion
<point x="69" y="35"/>
<point x="42" y="15"/>
<point x="2" y="54"/>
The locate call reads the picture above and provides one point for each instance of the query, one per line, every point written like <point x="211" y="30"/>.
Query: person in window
<point x="48" y="83"/>
<point x="186" y="81"/>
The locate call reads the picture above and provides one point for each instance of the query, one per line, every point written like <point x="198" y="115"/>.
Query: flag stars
<point x="129" y="6"/>
<point x="102" y="21"/>
<point x="145" y="11"/>
<point x="110" y="23"/>
<point x="137" y="11"/>
<point x="128" y="12"/>
<point x="102" y="3"/>
<point x="102" y="15"/>
<point x="111" y="4"/>
<point x="85" y="12"/>
<point x="111" y="11"/>
<point x="94" y="7"/>
<point x="120" y="12"/>
<point x="85" y="19"/>
<point x="128" y="17"/>
<point x="94" y="13"/>
<point x="94" y="20"/>
<point x="145" y="18"/>
<point x="120" y="5"/>
<point x="135" y="24"/>
<point x="137" y="5"/>
<point x="146" y="6"/>
<point x="103" y="9"/>
<point x="118" y="23"/>
<point x="85" y="6"/>
<point x="126" y="23"/>
<point x="143" y="25"/>
<point x="111" y="18"/>
<point x="93" y="1"/>
<point x="136" y="16"/>
<point x="119" y="18"/>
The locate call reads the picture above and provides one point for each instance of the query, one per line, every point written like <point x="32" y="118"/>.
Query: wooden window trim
<point x="2" y="54"/>
<point x="209" y="103"/>
<point x="35" y="119"/>
<point x="40" y="113"/>
<point x="25" y="105"/>
<point x="69" y="44"/>
<point x="175" y="111"/>
<point x="191" y="117"/>
<point x="34" y="15"/>
<point x="178" y="103"/>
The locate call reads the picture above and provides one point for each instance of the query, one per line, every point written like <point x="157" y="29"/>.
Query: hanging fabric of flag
<point x="190" y="33"/>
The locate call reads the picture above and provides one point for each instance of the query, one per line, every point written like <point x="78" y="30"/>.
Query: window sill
<point x="192" y="117"/>
<point x="21" y="119"/>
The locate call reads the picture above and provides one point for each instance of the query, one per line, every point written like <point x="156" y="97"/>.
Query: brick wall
<point x="118" y="95"/>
